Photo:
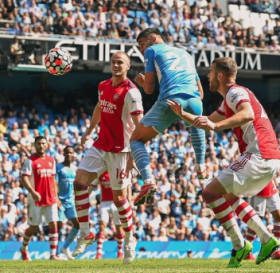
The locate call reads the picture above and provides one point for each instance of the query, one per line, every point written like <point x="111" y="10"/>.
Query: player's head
<point x="222" y="71"/>
<point x="120" y="64"/>
<point x="41" y="145"/>
<point x="68" y="153"/>
<point x="149" y="37"/>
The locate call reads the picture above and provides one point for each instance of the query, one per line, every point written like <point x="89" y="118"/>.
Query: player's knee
<point x="79" y="187"/>
<point x="119" y="201"/>
<point x="209" y="196"/>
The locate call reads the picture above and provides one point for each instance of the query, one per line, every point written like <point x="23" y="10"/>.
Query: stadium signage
<point x="244" y="60"/>
<point x="203" y="58"/>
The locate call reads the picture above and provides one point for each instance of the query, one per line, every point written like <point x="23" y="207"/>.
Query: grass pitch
<point x="138" y="266"/>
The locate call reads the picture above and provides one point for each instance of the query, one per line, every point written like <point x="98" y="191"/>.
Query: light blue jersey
<point x="65" y="177"/>
<point x="175" y="70"/>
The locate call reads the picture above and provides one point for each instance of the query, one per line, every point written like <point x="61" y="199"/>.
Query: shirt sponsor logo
<point x="107" y="106"/>
<point x="45" y="172"/>
<point x="235" y="96"/>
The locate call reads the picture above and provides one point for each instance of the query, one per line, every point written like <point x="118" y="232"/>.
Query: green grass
<point x="138" y="266"/>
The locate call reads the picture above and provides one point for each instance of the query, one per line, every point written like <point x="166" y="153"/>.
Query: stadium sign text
<point x="101" y="51"/>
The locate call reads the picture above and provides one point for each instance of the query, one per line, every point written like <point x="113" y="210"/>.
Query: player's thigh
<point x="159" y="117"/>
<point x="247" y="176"/>
<point x="258" y="203"/>
<point x="104" y="212"/>
<point x="70" y="212"/>
<point x="191" y="105"/>
<point x="51" y="213"/>
<point x="116" y="163"/>
<point x="273" y="202"/>
<point x="115" y="214"/>
<point x="61" y="213"/>
<point x="34" y="214"/>
<point x="91" y="166"/>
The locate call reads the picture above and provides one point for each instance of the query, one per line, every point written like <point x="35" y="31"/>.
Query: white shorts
<point x="248" y="175"/>
<point x="98" y="161"/>
<point x="35" y="214"/>
<point x="107" y="208"/>
<point x="261" y="203"/>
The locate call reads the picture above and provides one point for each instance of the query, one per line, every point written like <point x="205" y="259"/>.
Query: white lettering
<point x="250" y="64"/>
<point x="215" y="54"/>
<point x="202" y="59"/>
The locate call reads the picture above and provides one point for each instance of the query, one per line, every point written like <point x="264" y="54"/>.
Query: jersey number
<point x="120" y="174"/>
<point x="179" y="64"/>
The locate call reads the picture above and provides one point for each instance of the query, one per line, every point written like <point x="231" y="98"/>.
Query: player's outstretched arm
<point x="244" y="114"/>
<point x="178" y="110"/>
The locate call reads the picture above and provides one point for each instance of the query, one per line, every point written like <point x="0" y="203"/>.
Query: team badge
<point x="116" y="96"/>
<point x="50" y="164"/>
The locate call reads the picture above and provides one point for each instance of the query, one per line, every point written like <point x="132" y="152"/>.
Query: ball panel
<point x="58" y="61"/>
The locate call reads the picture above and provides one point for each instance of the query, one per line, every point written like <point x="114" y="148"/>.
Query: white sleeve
<point x="133" y="100"/>
<point x="27" y="167"/>
<point x="236" y="96"/>
<point x="54" y="167"/>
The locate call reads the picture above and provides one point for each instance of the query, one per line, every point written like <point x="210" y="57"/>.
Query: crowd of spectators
<point x="195" y="23"/>
<point x="177" y="212"/>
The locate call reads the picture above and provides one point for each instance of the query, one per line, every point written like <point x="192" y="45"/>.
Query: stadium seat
<point x="131" y="13"/>
<point x="255" y="18"/>
<point x="234" y="12"/>
<point x="245" y="18"/>
<point x="274" y="16"/>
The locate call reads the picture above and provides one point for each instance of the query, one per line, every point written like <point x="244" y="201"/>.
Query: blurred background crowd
<point x="195" y="24"/>
<point x="177" y="212"/>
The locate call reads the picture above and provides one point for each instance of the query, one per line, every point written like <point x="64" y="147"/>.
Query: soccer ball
<point x="58" y="61"/>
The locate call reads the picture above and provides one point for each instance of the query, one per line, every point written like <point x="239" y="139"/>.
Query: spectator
<point x="16" y="51"/>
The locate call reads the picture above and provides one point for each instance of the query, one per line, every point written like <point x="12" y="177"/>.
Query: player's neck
<point x="225" y="87"/>
<point x="117" y="80"/>
<point x="41" y="155"/>
<point x="66" y="163"/>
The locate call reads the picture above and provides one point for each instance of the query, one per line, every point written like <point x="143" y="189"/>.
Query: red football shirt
<point x="41" y="172"/>
<point x="256" y="136"/>
<point x="118" y="104"/>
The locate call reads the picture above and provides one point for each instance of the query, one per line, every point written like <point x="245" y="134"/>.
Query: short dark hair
<point x="38" y="138"/>
<point x="226" y="65"/>
<point x="148" y="32"/>
<point x="67" y="147"/>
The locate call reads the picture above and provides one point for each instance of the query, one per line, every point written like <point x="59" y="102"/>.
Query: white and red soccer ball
<point x="58" y="61"/>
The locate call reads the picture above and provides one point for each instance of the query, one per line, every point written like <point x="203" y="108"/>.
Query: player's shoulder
<point x="105" y="83"/>
<point x="129" y="84"/>
<point x="235" y="92"/>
